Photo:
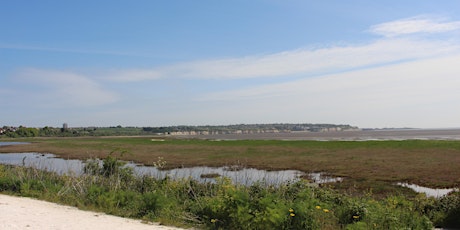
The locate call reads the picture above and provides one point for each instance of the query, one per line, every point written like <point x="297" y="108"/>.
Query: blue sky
<point x="160" y="63"/>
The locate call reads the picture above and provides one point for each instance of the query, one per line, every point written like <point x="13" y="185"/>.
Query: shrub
<point x="8" y="182"/>
<point x="445" y="211"/>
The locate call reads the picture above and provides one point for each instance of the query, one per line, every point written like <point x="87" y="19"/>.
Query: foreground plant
<point x="224" y="205"/>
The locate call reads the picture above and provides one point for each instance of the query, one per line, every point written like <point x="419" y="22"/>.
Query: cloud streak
<point x="415" y="25"/>
<point x="64" y="89"/>
<point x="394" y="47"/>
<point x="296" y="62"/>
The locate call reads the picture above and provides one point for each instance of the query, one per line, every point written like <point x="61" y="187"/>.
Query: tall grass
<point x="109" y="187"/>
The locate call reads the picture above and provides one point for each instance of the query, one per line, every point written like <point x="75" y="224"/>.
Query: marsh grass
<point x="429" y="163"/>
<point x="210" y="175"/>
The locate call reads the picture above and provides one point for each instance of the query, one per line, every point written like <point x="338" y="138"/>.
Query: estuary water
<point x="355" y="135"/>
<point x="246" y="176"/>
<point x="12" y="143"/>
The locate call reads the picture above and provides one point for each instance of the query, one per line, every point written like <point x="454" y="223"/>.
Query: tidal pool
<point x="430" y="192"/>
<point x="239" y="175"/>
<point x="48" y="162"/>
<point x="320" y="178"/>
<point x="12" y="143"/>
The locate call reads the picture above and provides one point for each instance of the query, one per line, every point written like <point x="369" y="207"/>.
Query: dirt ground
<point x="26" y="213"/>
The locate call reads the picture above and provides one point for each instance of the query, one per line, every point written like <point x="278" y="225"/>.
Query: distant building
<point x="65" y="126"/>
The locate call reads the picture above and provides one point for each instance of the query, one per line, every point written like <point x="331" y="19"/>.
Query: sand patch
<point x="26" y="213"/>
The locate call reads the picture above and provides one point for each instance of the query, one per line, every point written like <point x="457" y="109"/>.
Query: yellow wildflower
<point x="292" y="214"/>
<point x="213" y="220"/>
<point x="326" y="210"/>
<point x="291" y="210"/>
<point x="355" y="217"/>
<point x="318" y="207"/>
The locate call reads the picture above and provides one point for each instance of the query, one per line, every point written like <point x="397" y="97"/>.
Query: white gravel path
<point x="26" y="213"/>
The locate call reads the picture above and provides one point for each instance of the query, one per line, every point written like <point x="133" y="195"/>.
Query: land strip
<point x="432" y="163"/>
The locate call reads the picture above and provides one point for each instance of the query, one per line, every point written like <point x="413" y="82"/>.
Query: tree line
<point x="21" y="131"/>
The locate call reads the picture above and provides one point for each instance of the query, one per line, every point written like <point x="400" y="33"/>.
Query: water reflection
<point x="430" y="192"/>
<point x="244" y="176"/>
<point x="12" y="143"/>
<point x="320" y="178"/>
<point x="239" y="175"/>
<point x="40" y="161"/>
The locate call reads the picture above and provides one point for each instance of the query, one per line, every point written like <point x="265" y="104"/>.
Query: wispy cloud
<point x="296" y="62"/>
<point x="419" y="24"/>
<point x="393" y="47"/>
<point x="63" y="89"/>
<point x="424" y="77"/>
<point x="134" y="75"/>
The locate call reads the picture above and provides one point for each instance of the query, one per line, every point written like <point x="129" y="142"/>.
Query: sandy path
<point x="25" y="213"/>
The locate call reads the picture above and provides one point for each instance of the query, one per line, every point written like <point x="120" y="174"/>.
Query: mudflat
<point x="374" y="134"/>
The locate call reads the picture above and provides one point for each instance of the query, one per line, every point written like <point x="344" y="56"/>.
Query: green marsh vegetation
<point x="427" y="163"/>
<point x="112" y="189"/>
<point x="366" y="199"/>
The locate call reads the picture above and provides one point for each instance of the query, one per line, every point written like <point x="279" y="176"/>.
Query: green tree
<point x="27" y="132"/>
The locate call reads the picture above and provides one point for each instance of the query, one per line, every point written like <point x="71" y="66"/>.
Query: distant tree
<point x="48" y="131"/>
<point x="27" y="132"/>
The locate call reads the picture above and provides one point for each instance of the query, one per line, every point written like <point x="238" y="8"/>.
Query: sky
<point x="371" y="64"/>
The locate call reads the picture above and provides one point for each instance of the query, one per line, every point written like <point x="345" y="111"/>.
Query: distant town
<point x="67" y="131"/>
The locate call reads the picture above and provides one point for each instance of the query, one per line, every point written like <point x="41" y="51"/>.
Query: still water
<point x="12" y="143"/>
<point x="431" y="192"/>
<point x="246" y="176"/>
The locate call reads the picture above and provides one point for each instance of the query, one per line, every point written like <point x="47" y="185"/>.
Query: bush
<point x="9" y="184"/>
<point x="445" y="212"/>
